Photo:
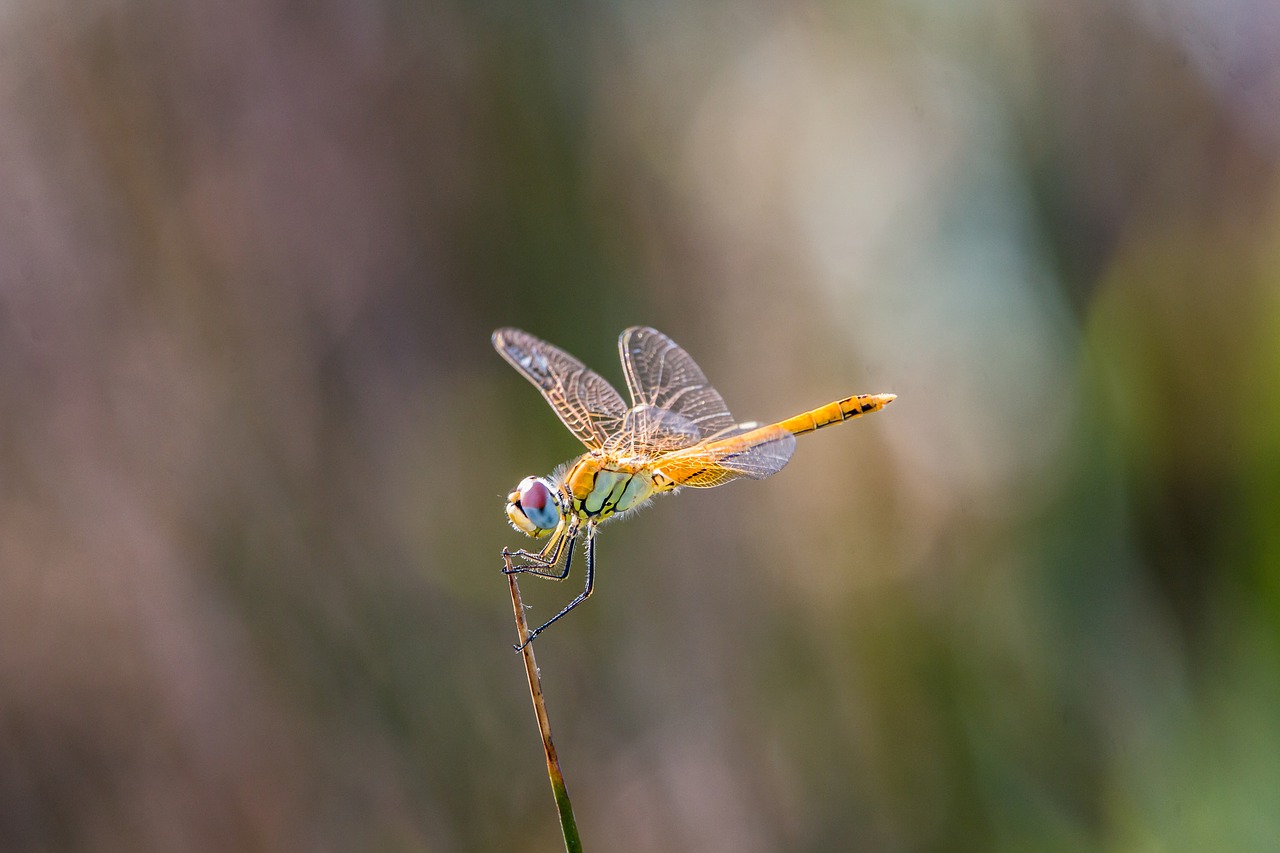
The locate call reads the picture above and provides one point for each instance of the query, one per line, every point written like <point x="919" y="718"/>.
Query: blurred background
<point x="254" y="442"/>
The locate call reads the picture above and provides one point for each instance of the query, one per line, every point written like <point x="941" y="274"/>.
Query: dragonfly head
<point x="534" y="507"/>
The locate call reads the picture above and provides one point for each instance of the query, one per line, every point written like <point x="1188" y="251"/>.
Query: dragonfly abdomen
<point x="837" y="412"/>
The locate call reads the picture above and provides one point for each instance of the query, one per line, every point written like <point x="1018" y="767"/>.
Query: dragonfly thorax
<point x="600" y="487"/>
<point x="536" y="507"/>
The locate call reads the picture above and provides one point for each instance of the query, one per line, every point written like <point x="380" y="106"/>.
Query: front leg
<point x="542" y="564"/>
<point x="586" y="593"/>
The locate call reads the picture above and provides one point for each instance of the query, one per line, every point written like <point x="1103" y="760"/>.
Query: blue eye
<point x="538" y="504"/>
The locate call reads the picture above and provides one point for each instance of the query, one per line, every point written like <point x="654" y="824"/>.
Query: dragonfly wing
<point x="648" y="430"/>
<point x="661" y="374"/>
<point x="756" y="452"/>
<point x="589" y="406"/>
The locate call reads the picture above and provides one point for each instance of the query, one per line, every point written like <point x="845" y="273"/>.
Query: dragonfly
<point x="677" y="432"/>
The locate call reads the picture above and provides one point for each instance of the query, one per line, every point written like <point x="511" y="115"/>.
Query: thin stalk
<point x="572" y="844"/>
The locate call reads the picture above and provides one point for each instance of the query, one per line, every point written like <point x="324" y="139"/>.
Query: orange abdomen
<point x="837" y="412"/>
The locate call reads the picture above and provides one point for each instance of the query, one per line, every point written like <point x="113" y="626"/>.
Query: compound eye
<point x="537" y="503"/>
<point x="534" y="495"/>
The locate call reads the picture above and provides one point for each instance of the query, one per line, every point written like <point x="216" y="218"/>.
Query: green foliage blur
<point x="254" y="443"/>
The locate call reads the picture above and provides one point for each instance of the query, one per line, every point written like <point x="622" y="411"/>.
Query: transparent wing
<point x="662" y="375"/>
<point x="648" y="430"/>
<point x="584" y="400"/>
<point x="746" y="450"/>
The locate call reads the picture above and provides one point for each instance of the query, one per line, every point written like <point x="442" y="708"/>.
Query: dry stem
<point x="568" y="826"/>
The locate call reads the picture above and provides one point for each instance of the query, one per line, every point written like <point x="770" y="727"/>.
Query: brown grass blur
<point x="254" y="443"/>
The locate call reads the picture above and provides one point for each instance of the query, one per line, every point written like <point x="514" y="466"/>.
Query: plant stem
<point x="568" y="826"/>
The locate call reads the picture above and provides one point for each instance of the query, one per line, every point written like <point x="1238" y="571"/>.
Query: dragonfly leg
<point x="542" y="564"/>
<point x="583" y="596"/>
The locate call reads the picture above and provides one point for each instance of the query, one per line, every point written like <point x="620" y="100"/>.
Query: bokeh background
<point x="254" y="442"/>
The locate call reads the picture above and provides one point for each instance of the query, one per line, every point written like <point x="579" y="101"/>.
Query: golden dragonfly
<point x="677" y="432"/>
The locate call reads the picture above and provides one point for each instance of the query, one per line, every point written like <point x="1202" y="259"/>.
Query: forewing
<point x="661" y="374"/>
<point x="584" y="400"/>
<point x="756" y="452"/>
<point x="648" y="431"/>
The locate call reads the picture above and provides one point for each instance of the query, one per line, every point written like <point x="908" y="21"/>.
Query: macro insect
<point x="676" y="432"/>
